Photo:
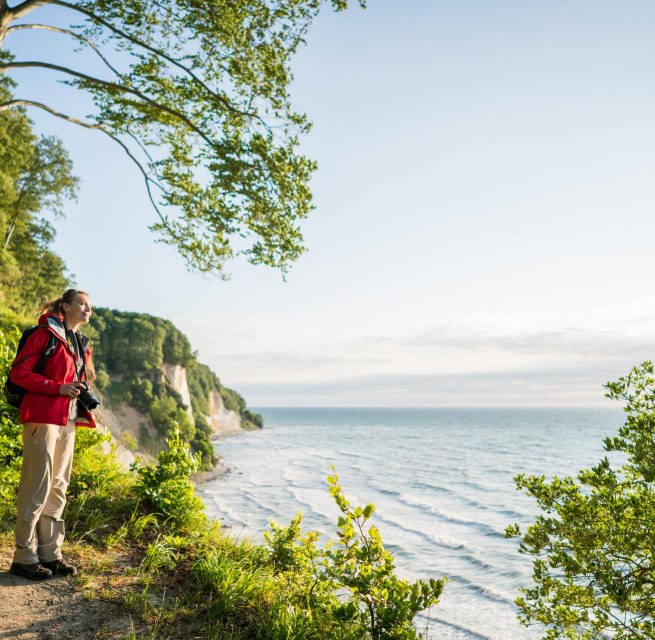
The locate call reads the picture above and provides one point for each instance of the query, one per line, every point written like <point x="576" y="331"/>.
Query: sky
<point x="484" y="221"/>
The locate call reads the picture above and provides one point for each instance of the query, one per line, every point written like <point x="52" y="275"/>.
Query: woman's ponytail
<point x="57" y="305"/>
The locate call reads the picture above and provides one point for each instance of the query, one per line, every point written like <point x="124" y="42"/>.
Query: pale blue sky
<point x="484" y="225"/>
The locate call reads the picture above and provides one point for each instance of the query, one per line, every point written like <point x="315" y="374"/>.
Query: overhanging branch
<point x="98" y="127"/>
<point x="159" y="53"/>
<point x="116" y="87"/>
<point x="67" y="32"/>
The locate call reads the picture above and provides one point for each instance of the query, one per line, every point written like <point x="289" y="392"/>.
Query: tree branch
<point x="89" y="125"/>
<point x="118" y="87"/>
<point x="67" y="32"/>
<point x="158" y="52"/>
<point x="26" y="7"/>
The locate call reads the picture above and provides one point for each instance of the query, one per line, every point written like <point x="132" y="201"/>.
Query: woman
<point x="49" y="412"/>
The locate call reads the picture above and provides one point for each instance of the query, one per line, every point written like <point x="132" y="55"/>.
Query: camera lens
<point x="88" y="400"/>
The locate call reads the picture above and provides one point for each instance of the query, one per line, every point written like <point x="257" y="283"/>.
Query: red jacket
<point x="42" y="402"/>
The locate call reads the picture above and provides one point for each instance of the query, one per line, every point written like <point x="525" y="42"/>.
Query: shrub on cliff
<point x="168" y="416"/>
<point x="166" y="487"/>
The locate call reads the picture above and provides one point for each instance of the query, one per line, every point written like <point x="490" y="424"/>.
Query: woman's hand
<point x="72" y="389"/>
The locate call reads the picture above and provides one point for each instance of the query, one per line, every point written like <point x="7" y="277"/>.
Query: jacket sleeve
<point x="22" y="371"/>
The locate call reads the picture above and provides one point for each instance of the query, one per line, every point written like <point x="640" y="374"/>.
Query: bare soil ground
<point x="54" y="609"/>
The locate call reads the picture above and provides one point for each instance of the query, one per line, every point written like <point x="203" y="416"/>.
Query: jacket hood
<point x="56" y="324"/>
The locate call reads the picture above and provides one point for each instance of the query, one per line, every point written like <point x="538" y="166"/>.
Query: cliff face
<point x="175" y="375"/>
<point x="220" y="419"/>
<point x="133" y="432"/>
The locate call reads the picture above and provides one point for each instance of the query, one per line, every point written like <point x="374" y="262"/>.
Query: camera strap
<point x="78" y="353"/>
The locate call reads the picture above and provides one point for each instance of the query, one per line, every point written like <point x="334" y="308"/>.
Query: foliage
<point x="212" y="584"/>
<point x="202" y="444"/>
<point x="140" y="390"/>
<point x="594" y="568"/>
<point x="35" y="176"/>
<point x="168" y="416"/>
<point x="167" y="488"/>
<point x="253" y="418"/>
<point x="201" y="381"/>
<point x="361" y="564"/>
<point x="197" y="95"/>
<point x="353" y="582"/>
<point x="124" y="342"/>
<point x="232" y="400"/>
<point x="11" y="448"/>
<point x="102" y="380"/>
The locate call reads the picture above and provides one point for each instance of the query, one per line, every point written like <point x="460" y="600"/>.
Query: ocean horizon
<point x="442" y="482"/>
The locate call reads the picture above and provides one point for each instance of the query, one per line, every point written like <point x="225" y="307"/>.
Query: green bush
<point x="384" y="603"/>
<point x="232" y="400"/>
<point x="168" y="416"/>
<point x="11" y="446"/>
<point x="201" y="381"/>
<point x="141" y="393"/>
<point x="166" y="487"/>
<point x="126" y="341"/>
<point x="594" y="568"/>
<point x="102" y="380"/>
<point x="253" y="418"/>
<point x="202" y="444"/>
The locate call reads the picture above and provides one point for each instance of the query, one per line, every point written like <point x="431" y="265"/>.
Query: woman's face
<point x="79" y="311"/>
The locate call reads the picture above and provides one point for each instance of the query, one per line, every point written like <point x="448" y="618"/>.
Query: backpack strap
<point x="48" y="352"/>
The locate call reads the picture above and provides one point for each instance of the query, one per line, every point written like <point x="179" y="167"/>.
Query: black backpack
<point x="14" y="393"/>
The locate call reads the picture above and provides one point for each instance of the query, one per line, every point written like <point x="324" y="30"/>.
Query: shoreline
<point x="220" y="469"/>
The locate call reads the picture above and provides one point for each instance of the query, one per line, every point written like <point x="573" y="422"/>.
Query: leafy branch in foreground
<point x="374" y="603"/>
<point x="196" y="94"/>
<point x="594" y="543"/>
<point x="360" y="563"/>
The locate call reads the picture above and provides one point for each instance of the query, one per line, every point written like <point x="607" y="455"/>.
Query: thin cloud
<point x="577" y="386"/>
<point x="442" y="365"/>
<point x="570" y="341"/>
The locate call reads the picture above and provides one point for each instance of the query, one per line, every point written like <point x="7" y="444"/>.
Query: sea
<point x="442" y="481"/>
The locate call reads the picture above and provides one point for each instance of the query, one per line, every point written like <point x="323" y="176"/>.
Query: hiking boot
<point x="60" y="567"/>
<point x="34" y="571"/>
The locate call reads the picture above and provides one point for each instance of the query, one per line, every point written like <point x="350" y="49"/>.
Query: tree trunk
<point x="9" y="14"/>
<point x="10" y="228"/>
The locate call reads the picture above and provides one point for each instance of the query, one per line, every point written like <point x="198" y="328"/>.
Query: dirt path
<point x="53" y="610"/>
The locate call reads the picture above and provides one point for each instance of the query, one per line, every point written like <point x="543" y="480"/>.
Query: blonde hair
<point x="57" y="305"/>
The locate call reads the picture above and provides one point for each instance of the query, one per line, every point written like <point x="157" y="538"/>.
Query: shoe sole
<point x="34" y="578"/>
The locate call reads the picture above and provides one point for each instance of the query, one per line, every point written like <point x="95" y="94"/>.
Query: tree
<point x="594" y="544"/>
<point x="35" y="176"/>
<point x="196" y="92"/>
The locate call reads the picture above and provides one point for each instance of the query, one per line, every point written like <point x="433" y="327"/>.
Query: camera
<point x="87" y="399"/>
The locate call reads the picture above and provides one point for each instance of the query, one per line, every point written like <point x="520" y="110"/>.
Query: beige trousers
<point x="45" y="474"/>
